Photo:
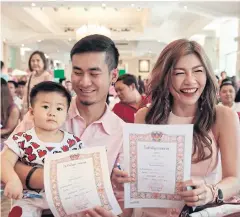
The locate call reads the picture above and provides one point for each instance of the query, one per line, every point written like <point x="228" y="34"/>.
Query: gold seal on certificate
<point x="78" y="180"/>
<point x="158" y="157"/>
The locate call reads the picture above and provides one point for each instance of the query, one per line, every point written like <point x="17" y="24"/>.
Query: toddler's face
<point x="49" y="110"/>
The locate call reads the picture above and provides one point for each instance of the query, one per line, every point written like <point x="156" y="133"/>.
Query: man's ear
<point x="114" y="74"/>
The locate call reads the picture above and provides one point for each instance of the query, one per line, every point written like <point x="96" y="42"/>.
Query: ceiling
<point x="138" y="28"/>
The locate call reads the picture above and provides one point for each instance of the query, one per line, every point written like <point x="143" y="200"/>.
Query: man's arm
<point x="36" y="180"/>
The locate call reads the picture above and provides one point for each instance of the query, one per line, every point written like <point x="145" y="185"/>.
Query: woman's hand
<point x="200" y="194"/>
<point x="99" y="212"/>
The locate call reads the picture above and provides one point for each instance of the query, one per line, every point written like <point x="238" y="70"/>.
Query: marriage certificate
<point x="78" y="180"/>
<point x="159" y="158"/>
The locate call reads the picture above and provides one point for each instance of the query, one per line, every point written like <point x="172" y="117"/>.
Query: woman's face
<point x="37" y="63"/>
<point x="188" y="80"/>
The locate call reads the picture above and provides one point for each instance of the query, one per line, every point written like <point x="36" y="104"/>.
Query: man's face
<point x="125" y="93"/>
<point x="91" y="78"/>
<point x="20" y="90"/>
<point x="227" y="95"/>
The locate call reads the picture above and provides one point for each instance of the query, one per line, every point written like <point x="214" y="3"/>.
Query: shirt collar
<point x="106" y="120"/>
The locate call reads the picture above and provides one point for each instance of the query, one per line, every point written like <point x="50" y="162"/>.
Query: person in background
<point x="24" y="78"/>
<point x="62" y="81"/>
<point x="141" y="87"/>
<point x="227" y="95"/>
<point x="235" y="83"/>
<point x="183" y="90"/>
<point x="146" y="82"/>
<point x="130" y="99"/>
<point x="68" y="85"/>
<point x="2" y="66"/>
<point x="10" y="113"/>
<point x="20" y="89"/>
<point x="237" y="98"/>
<point x="237" y="101"/>
<point x="223" y="75"/>
<point x="13" y="86"/>
<point x="38" y="67"/>
<point x="4" y="73"/>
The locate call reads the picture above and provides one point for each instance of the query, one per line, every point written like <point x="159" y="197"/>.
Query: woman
<point x="37" y="65"/>
<point x="183" y="90"/>
<point x="9" y="112"/>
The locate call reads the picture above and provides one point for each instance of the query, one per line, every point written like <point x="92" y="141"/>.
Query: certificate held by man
<point x="158" y="157"/>
<point x="78" y="180"/>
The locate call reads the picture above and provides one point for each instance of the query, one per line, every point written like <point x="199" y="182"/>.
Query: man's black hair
<point x="98" y="43"/>
<point x="226" y="82"/>
<point x="14" y="83"/>
<point x="128" y="79"/>
<point x="22" y="83"/>
<point x="49" y="87"/>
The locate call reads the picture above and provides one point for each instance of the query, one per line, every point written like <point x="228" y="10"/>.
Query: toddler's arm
<point x="13" y="188"/>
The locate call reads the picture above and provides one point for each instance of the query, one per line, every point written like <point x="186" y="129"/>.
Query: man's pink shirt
<point x="107" y="131"/>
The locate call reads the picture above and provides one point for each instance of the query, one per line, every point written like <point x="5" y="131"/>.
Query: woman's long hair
<point x="162" y="100"/>
<point x="6" y="102"/>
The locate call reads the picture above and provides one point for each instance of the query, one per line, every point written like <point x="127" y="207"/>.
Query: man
<point x="94" y="68"/>
<point x="12" y="86"/>
<point x="130" y="99"/>
<point x="20" y="89"/>
<point x="227" y="95"/>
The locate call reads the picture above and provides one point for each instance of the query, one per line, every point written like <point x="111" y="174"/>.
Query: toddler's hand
<point x="13" y="189"/>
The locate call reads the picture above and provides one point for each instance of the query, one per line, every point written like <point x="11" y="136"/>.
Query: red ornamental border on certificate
<point x="158" y="137"/>
<point x="98" y="179"/>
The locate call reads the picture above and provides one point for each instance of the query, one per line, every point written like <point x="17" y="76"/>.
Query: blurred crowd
<point x="126" y="96"/>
